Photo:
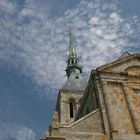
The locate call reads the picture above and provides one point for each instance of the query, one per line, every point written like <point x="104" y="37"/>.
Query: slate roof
<point x="75" y="82"/>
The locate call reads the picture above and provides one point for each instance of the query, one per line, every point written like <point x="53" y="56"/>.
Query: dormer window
<point x="77" y="77"/>
<point x="72" y="61"/>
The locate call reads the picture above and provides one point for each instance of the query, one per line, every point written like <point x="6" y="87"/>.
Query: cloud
<point x="9" y="131"/>
<point x="38" y="45"/>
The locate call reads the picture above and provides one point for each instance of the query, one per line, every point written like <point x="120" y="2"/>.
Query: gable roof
<point x="125" y="54"/>
<point x="121" y="60"/>
<point x="75" y="83"/>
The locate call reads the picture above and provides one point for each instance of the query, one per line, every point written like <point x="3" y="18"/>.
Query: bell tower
<point x="70" y="95"/>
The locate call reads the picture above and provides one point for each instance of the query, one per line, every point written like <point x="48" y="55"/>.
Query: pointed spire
<point x="72" y="62"/>
<point x="72" y="50"/>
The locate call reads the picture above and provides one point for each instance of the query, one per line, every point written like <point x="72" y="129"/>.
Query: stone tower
<point x="71" y="93"/>
<point x="110" y="105"/>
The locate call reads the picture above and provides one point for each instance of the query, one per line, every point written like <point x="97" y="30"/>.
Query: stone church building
<point x="106" y="107"/>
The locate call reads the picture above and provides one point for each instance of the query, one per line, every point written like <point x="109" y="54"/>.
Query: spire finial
<point x="72" y="50"/>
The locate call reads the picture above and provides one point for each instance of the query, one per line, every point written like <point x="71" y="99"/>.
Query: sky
<point x="34" y="40"/>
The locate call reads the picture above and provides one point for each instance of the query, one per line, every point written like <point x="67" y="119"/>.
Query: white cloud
<point x="6" y="6"/>
<point x="94" y="21"/>
<point x="38" y="45"/>
<point x="16" y="132"/>
<point x="25" y="133"/>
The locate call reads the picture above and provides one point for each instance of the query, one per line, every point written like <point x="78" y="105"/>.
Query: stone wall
<point x="85" y="128"/>
<point x="119" y="94"/>
<point x="117" y="110"/>
<point x="89" y="101"/>
<point x="112" y="97"/>
<point x="63" y="105"/>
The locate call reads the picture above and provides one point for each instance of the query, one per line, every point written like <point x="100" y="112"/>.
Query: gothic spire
<point x="72" y="62"/>
<point x="72" y="50"/>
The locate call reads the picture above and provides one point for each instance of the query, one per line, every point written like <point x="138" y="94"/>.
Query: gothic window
<point x="72" y="108"/>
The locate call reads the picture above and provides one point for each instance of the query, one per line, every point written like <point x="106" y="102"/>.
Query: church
<point x="106" y="107"/>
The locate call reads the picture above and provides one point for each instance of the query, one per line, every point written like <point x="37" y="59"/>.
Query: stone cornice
<point x="118" y="61"/>
<point x="71" y="91"/>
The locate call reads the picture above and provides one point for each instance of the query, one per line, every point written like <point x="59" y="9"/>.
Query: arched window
<point x="72" y="107"/>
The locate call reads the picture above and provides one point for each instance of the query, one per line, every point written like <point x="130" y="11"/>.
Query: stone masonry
<point x="108" y="109"/>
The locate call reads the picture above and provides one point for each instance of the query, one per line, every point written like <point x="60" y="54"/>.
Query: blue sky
<point x="34" y="47"/>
